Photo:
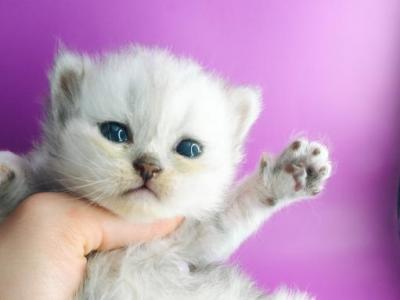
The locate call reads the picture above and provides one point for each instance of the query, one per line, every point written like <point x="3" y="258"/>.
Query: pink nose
<point x="147" y="166"/>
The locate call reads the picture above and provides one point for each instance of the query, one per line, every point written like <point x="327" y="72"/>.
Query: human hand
<point x="45" y="241"/>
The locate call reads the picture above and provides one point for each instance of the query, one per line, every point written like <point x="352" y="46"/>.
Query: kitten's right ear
<point x="65" y="83"/>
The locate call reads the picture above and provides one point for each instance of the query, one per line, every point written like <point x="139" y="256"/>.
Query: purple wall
<point x="328" y="68"/>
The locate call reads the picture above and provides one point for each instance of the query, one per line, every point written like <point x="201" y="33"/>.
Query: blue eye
<point x="115" y="132"/>
<point x="189" y="148"/>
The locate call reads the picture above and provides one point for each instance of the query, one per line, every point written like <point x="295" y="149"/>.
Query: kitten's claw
<point x="301" y="170"/>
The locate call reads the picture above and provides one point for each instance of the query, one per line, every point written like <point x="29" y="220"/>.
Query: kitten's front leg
<point x="13" y="181"/>
<point x="299" y="172"/>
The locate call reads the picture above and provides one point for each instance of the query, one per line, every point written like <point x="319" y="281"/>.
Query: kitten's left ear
<point x="246" y="103"/>
<point x="65" y="83"/>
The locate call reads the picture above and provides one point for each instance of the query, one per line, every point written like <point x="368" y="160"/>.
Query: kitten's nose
<point x="147" y="166"/>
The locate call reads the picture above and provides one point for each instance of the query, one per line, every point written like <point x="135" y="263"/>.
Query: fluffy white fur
<point x="162" y="99"/>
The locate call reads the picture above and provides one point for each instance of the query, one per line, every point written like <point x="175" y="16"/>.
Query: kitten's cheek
<point x="109" y="150"/>
<point x="188" y="166"/>
<point x="163" y="184"/>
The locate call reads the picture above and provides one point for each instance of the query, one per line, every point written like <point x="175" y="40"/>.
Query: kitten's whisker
<point x="90" y="162"/>
<point x="91" y="184"/>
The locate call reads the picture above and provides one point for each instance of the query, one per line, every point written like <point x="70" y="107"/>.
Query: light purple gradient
<point x="329" y="69"/>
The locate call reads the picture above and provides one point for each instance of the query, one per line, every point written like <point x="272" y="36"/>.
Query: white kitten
<point x="149" y="135"/>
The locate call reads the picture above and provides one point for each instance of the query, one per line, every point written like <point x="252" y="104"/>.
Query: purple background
<point x="328" y="68"/>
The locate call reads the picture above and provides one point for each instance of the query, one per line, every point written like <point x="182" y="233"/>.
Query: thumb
<point x="104" y="230"/>
<point x="117" y="232"/>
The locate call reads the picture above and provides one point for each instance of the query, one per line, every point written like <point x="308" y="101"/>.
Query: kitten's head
<point x="144" y="133"/>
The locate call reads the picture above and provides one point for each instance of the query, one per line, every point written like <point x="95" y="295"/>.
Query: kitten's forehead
<point x="153" y="92"/>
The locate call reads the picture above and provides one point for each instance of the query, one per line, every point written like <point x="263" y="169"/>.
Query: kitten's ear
<point x="65" y="83"/>
<point x="246" y="103"/>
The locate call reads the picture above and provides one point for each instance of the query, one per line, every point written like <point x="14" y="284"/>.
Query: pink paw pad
<point x="308" y="164"/>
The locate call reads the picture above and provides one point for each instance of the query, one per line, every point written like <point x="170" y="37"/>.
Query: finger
<point x="88" y="227"/>
<point x="117" y="233"/>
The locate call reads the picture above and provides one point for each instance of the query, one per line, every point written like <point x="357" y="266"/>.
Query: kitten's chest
<point x="138" y="271"/>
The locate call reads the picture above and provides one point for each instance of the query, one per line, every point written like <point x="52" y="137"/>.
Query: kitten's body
<point x="163" y="100"/>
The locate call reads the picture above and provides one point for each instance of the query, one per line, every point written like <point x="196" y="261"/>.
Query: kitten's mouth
<point x="141" y="189"/>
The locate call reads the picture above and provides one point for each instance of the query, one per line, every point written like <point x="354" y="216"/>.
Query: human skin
<point x="45" y="241"/>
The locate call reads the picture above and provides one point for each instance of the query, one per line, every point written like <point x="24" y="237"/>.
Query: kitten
<point x="149" y="135"/>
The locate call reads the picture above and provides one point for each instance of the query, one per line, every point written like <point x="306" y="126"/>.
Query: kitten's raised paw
<point x="302" y="169"/>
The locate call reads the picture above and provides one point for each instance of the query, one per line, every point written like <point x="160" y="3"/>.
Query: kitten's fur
<point x="162" y="99"/>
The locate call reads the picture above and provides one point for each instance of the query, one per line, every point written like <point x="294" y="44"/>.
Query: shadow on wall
<point x="398" y="155"/>
<point x="398" y="206"/>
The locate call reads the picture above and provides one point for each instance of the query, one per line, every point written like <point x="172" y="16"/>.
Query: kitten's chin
<point x="139" y="205"/>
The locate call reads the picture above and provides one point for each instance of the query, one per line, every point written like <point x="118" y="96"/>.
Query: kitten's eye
<point x="189" y="148"/>
<point x="115" y="132"/>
